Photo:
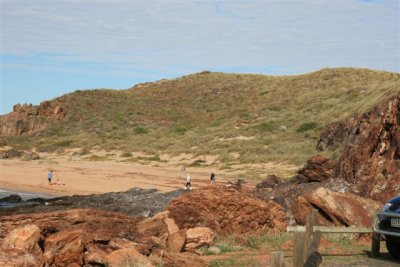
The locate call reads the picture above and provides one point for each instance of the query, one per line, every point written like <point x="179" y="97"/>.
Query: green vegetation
<point x="235" y="117"/>
<point x="306" y="126"/>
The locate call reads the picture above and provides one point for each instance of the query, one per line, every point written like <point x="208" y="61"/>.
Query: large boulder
<point x="177" y="241"/>
<point x="199" y="237"/>
<point x="65" y="247"/>
<point x="24" y="238"/>
<point x="340" y="209"/>
<point x="227" y="210"/>
<point x="317" y="169"/>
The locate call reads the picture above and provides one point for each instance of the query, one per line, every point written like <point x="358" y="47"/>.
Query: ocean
<point x="24" y="195"/>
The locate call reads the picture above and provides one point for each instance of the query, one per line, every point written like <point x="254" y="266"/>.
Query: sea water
<point x="24" y="195"/>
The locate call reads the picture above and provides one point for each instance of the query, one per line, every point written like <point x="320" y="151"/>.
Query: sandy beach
<point x="82" y="176"/>
<point x="85" y="177"/>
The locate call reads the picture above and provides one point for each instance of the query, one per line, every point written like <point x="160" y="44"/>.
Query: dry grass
<point x="204" y="113"/>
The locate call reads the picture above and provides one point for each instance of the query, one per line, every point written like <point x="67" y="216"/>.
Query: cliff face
<point x="29" y="119"/>
<point x="370" y="157"/>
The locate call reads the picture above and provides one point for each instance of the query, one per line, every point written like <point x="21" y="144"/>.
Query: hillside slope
<point x="240" y="118"/>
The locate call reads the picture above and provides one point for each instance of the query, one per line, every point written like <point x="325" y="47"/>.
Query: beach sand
<point x="81" y="176"/>
<point x="87" y="177"/>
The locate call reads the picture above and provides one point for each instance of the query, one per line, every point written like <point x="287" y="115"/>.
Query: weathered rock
<point x="335" y="134"/>
<point x="127" y="257"/>
<point x="119" y="243"/>
<point x="185" y="259"/>
<point x="65" y="247"/>
<point x="135" y="202"/>
<point x="177" y="241"/>
<point x="13" y="153"/>
<point x="11" y="199"/>
<point x="227" y="210"/>
<point x="318" y="168"/>
<point x="371" y="155"/>
<point x="340" y="209"/>
<point x="28" y="119"/>
<point x="270" y="182"/>
<point x="31" y="156"/>
<point x="199" y="237"/>
<point x="16" y="258"/>
<point x="24" y="238"/>
<point x="94" y="255"/>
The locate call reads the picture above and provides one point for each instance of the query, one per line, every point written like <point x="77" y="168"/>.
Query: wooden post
<point x="376" y="245"/>
<point x="299" y="247"/>
<point x="311" y="219"/>
<point x="314" y="258"/>
<point x="277" y="259"/>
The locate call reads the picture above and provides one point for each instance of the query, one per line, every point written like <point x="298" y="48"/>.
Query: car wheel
<point x="394" y="248"/>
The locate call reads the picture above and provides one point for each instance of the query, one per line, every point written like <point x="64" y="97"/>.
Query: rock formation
<point x="317" y="168"/>
<point x="80" y="237"/>
<point x="227" y="210"/>
<point x="29" y="119"/>
<point x="339" y="209"/>
<point x="371" y="155"/>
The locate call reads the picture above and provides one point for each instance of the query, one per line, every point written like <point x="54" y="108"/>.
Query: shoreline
<point x="80" y="177"/>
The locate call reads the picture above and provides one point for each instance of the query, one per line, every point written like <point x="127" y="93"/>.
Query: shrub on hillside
<point x="140" y="130"/>
<point x="306" y="126"/>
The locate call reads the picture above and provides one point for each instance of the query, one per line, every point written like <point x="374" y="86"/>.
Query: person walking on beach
<point x="188" y="185"/>
<point x="212" y="178"/>
<point x="50" y="176"/>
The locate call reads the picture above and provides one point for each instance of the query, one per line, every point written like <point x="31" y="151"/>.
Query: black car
<point x="387" y="224"/>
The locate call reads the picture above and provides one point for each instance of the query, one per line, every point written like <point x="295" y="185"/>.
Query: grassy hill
<point x="240" y="118"/>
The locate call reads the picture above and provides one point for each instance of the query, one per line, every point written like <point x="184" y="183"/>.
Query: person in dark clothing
<point x="212" y="178"/>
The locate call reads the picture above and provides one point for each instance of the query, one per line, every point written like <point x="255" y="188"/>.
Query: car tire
<point x="394" y="248"/>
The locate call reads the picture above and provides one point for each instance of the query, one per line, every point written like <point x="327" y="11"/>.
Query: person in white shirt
<point x="188" y="185"/>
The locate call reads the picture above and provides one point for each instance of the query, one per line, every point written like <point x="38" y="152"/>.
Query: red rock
<point x="94" y="255"/>
<point x="65" y="247"/>
<point x="185" y="259"/>
<point x="28" y="119"/>
<point x="340" y="209"/>
<point x="199" y="237"/>
<point x="127" y="257"/>
<point x="17" y="258"/>
<point x="317" y="169"/>
<point x="177" y="241"/>
<point x="371" y="154"/>
<point x="24" y="238"/>
<point x="227" y="210"/>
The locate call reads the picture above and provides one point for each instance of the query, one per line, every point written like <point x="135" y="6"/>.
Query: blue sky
<point x="49" y="48"/>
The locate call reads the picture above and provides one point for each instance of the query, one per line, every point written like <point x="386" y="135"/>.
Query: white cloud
<point x="169" y="36"/>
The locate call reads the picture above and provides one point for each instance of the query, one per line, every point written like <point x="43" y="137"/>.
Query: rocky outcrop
<point x="335" y="134"/>
<point x="227" y="210"/>
<point x="371" y="155"/>
<point x="28" y="119"/>
<point x="271" y="181"/>
<point x="317" y="169"/>
<point x="92" y="237"/>
<point x="339" y="209"/>
<point x="135" y="201"/>
<point x="14" y="153"/>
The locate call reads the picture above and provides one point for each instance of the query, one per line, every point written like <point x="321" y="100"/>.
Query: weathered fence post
<point x="277" y="259"/>
<point x="376" y="245"/>
<point x="299" y="247"/>
<point x="311" y="219"/>
<point x="303" y="240"/>
<point x="314" y="258"/>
